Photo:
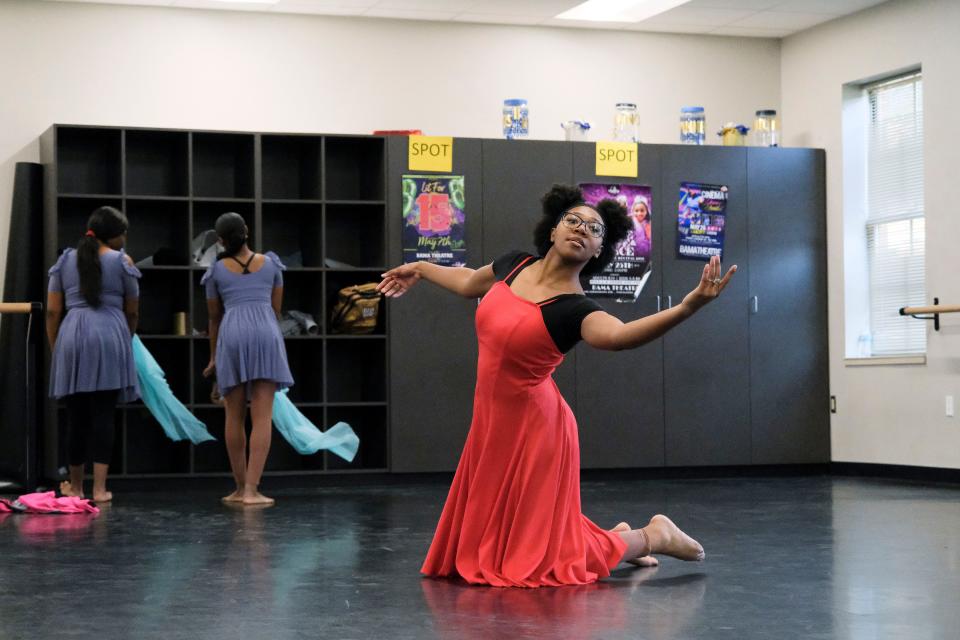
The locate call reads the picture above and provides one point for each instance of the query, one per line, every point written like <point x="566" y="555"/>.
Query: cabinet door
<point x="433" y="343"/>
<point x="789" y="382"/>
<point x="620" y="394"/>
<point x="515" y="175"/>
<point x="706" y="359"/>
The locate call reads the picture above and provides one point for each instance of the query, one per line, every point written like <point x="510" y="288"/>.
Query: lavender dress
<point x="249" y="345"/>
<point x="93" y="349"/>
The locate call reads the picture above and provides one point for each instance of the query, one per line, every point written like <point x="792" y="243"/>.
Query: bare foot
<point x="236" y="496"/>
<point x="668" y="539"/>
<point x="256" y="498"/>
<point x="102" y="496"/>
<point x="640" y="561"/>
<point x="66" y="489"/>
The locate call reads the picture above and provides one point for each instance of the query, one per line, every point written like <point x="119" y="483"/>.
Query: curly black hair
<point x="560" y="199"/>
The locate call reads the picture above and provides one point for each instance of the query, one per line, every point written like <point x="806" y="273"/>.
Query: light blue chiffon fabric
<point x="305" y="437"/>
<point x="176" y="419"/>
<point x="179" y="424"/>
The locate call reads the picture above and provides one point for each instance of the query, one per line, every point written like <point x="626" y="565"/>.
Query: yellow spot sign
<point x="431" y="153"/>
<point x="617" y="159"/>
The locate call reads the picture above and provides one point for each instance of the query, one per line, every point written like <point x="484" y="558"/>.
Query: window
<point x="895" y="231"/>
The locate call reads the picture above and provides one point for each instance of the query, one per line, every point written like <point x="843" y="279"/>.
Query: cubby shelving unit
<point x="318" y="201"/>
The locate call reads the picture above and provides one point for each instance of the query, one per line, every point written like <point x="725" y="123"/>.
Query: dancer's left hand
<point x="397" y="281"/>
<point x="710" y="286"/>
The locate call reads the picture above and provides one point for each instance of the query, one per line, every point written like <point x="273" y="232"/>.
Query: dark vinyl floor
<point x="807" y="557"/>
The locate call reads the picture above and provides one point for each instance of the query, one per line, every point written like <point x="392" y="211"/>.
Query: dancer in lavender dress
<point x="92" y="366"/>
<point x="244" y="295"/>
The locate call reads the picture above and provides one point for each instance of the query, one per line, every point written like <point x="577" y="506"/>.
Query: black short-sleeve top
<point x="562" y="314"/>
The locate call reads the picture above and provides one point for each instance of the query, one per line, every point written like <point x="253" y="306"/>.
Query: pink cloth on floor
<point x="49" y="503"/>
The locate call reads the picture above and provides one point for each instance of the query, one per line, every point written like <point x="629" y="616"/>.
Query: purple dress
<point x="249" y="345"/>
<point x="93" y="350"/>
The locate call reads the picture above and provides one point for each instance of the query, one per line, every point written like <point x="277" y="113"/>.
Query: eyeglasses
<point x="573" y="221"/>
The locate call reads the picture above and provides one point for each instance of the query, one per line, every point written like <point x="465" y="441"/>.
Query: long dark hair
<point x="562" y="198"/>
<point x="106" y="223"/>
<point x="232" y="229"/>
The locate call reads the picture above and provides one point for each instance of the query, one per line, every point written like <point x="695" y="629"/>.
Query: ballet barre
<point x="20" y="307"/>
<point x="933" y="310"/>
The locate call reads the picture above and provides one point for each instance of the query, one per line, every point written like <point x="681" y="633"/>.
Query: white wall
<point x="142" y="66"/>
<point x="888" y="414"/>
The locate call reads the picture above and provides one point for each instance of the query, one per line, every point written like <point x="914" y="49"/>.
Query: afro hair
<point x="560" y="199"/>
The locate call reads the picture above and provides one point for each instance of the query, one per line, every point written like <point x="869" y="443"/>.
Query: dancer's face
<point x="578" y="243"/>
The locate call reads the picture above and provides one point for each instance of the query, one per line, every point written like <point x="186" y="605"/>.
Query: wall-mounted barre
<point x="935" y="310"/>
<point x="19" y="307"/>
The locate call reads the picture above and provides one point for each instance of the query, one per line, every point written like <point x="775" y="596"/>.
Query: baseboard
<point x="895" y="471"/>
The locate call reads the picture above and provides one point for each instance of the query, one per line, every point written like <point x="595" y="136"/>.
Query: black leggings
<point x="90" y="416"/>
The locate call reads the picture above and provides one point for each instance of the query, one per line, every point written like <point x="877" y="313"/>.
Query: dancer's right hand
<point x="397" y="281"/>
<point x="211" y="369"/>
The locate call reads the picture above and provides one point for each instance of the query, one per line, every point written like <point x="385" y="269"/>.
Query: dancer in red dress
<point x="512" y="516"/>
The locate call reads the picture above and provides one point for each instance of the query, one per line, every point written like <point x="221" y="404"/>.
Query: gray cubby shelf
<point x="88" y="196"/>
<point x="159" y="198"/>
<point x="156" y="162"/>
<point x="308" y="197"/>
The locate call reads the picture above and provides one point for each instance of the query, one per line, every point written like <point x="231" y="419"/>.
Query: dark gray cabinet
<point x="433" y="356"/>
<point x="788" y="320"/>
<point x="620" y="394"/>
<point x="706" y="368"/>
<point x="727" y="387"/>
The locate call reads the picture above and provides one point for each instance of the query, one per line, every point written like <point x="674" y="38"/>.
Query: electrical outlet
<point x="949" y="406"/>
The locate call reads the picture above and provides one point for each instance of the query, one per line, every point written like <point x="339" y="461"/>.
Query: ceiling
<point x="746" y="18"/>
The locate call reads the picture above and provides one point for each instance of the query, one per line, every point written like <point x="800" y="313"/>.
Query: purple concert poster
<point x="701" y="218"/>
<point x="625" y="277"/>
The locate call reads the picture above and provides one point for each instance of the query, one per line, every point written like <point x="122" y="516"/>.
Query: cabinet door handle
<point x="658" y="304"/>
<point x="669" y="302"/>
<point x="755" y="304"/>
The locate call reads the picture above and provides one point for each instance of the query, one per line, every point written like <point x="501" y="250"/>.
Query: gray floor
<point x="808" y="557"/>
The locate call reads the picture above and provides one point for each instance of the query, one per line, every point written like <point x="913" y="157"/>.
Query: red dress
<point x="512" y="517"/>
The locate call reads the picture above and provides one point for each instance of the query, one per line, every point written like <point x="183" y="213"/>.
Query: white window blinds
<point x="895" y="215"/>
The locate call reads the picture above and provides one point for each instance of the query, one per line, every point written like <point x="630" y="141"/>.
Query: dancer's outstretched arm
<point x="604" y="331"/>
<point x="469" y="283"/>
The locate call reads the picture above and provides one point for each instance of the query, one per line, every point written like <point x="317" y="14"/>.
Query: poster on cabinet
<point x="434" y="219"/>
<point x="625" y="277"/>
<point x="701" y="219"/>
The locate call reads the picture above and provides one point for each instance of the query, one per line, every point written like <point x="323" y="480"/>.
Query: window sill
<point x="879" y="361"/>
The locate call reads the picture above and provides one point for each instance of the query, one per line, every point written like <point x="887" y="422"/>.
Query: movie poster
<point x="434" y="228"/>
<point x="626" y="275"/>
<point x="701" y="220"/>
